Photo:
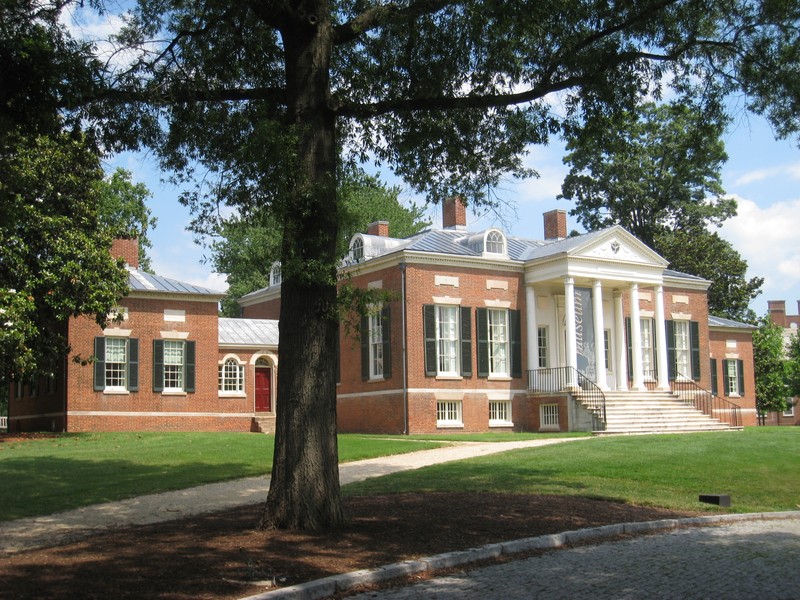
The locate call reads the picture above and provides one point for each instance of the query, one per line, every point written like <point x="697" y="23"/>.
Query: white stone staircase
<point x="654" y="412"/>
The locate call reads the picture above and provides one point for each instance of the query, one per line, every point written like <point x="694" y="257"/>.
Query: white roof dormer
<point x="491" y="243"/>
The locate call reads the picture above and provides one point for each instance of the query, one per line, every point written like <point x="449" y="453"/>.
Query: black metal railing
<point x="558" y="380"/>
<point x="706" y="402"/>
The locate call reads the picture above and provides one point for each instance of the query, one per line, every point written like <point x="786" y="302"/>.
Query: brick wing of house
<point x="488" y="332"/>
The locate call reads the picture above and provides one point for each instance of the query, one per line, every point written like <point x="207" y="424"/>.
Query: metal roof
<point x="140" y="281"/>
<point x="248" y="332"/>
<point x="722" y="322"/>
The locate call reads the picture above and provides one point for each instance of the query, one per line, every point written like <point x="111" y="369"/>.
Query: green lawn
<point x="49" y="475"/>
<point x="758" y="467"/>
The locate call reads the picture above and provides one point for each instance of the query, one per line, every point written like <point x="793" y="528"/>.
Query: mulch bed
<point x="223" y="556"/>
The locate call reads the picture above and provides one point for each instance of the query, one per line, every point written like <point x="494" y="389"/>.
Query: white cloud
<point x="790" y="170"/>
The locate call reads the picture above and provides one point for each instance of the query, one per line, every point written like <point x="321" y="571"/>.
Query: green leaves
<point x="770" y="367"/>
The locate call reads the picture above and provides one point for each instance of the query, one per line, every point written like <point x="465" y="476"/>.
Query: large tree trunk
<point x="304" y="492"/>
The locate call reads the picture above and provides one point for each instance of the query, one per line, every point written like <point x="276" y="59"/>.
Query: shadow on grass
<point x="34" y="486"/>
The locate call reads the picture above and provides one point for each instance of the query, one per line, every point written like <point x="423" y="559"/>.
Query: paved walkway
<point x="736" y="561"/>
<point x="51" y="530"/>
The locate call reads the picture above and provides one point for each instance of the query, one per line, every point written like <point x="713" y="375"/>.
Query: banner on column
<point x="584" y="332"/>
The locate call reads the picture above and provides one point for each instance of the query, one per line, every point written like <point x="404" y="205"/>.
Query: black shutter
<point x="672" y="359"/>
<point x="133" y="365"/>
<point x="189" y="365"/>
<point x="429" y="333"/>
<point x="630" y="347"/>
<point x="466" y="341"/>
<point x="482" y="335"/>
<point x="740" y="378"/>
<point x="515" y="326"/>
<point x="694" y="344"/>
<point x="386" y="333"/>
<point x="725" y="379"/>
<point x="158" y="365"/>
<point x="364" y="347"/>
<point x="714" y="377"/>
<point x="99" y="364"/>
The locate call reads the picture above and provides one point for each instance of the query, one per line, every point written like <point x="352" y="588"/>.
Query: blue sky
<point x="761" y="173"/>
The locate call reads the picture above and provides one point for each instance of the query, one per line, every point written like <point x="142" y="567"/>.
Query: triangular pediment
<point x="616" y="244"/>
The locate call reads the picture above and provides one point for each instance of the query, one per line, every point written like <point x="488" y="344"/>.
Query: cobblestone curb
<point x="323" y="588"/>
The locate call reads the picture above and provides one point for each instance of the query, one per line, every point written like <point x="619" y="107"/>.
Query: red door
<point x="263" y="391"/>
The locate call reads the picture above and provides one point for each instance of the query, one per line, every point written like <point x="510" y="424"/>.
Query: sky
<point x="761" y="173"/>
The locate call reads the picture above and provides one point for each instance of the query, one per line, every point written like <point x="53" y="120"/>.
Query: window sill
<point x="500" y="378"/>
<point x="232" y="395"/>
<point x="550" y="428"/>
<point x="450" y="425"/>
<point x="376" y="379"/>
<point x="501" y="423"/>
<point x="449" y="378"/>
<point x="173" y="393"/>
<point x="108" y="392"/>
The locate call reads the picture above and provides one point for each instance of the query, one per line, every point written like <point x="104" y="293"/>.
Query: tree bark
<point x="304" y="491"/>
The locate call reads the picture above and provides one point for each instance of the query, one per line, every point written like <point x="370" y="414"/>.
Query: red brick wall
<point x="264" y="310"/>
<point x="743" y="350"/>
<point x="126" y="249"/>
<point x="146" y="409"/>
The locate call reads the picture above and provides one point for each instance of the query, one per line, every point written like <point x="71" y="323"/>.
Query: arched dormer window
<point x="275" y="274"/>
<point x="357" y="249"/>
<point x="495" y="242"/>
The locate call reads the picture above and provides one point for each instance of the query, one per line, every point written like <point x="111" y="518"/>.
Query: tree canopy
<point x="260" y="103"/>
<point x="245" y="248"/>
<point x="770" y="367"/>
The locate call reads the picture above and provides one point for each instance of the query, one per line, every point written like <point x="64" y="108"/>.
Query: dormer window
<point x="275" y="274"/>
<point x="357" y="249"/>
<point x="495" y="242"/>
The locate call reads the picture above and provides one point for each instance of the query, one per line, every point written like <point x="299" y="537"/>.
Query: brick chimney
<point x="777" y="312"/>
<point x="380" y="228"/>
<point x="126" y="249"/>
<point x="555" y="224"/>
<point x="454" y="213"/>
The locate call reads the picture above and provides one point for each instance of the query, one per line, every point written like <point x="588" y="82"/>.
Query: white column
<point x="569" y="305"/>
<point x="661" y="341"/>
<point x="621" y="355"/>
<point x="532" y="330"/>
<point x="599" y="331"/>
<point x="636" y="341"/>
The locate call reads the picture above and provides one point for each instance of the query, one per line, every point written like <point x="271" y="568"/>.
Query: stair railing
<point x="706" y="402"/>
<point x="557" y="380"/>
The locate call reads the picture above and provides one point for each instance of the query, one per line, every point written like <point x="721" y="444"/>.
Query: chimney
<point x="380" y="228"/>
<point x="777" y="312"/>
<point x="454" y="213"/>
<point x="555" y="224"/>
<point x="127" y="249"/>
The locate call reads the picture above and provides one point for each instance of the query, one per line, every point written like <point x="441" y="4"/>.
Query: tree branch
<point x="380" y="16"/>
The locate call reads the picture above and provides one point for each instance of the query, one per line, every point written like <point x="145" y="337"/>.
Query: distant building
<point x="790" y="324"/>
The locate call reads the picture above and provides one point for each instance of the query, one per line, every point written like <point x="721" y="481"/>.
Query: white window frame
<point x="548" y="416"/>
<point x="275" y="276"/>
<point x="733" y="378"/>
<point x="231" y="377"/>
<point x="499" y="344"/>
<point x="789" y="412"/>
<point x="449" y="413"/>
<point x="448" y="340"/>
<point x="683" y="349"/>
<point x="542" y="347"/>
<point x="357" y="249"/>
<point x="607" y="348"/>
<point x="647" y="326"/>
<point x="174" y="365"/>
<point x="500" y="413"/>
<point x="495" y="243"/>
<point x="375" y="337"/>
<point x="116" y="371"/>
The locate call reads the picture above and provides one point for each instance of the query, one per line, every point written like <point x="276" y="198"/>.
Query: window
<point x="116" y="364"/>
<point x="548" y="416"/>
<point x="495" y="243"/>
<point x="499" y="347"/>
<point x="683" y="349"/>
<point x="789" y="412"/>
<point x="733" y="373"/>
<point x="357" y="249"/>
<point x="448" y="413"/>
<point x="231" y="376"/>
<point x="500" y="412"/>
<point x="173" y="366"/>
<point x="275" y="277"/>
<point x="714" y="377"/>
<point x="682" y="356"/>
<point x="543" y="353"/>
<point x="51" y="384"/>
<point x="448" y="340"/>
<point x="376" y="359"/>
<point x="648" y="357"/>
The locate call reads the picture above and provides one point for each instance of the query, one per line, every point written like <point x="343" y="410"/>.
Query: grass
<point x="49" y="475"/>
<point x="758" y="467"/>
